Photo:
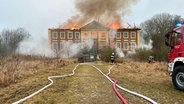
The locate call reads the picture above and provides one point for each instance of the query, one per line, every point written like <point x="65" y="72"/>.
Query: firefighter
<point x="151" y="59"/>
<point x="112" y="58"/>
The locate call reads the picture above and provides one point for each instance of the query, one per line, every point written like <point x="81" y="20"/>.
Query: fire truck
<point x="175" y="40"/>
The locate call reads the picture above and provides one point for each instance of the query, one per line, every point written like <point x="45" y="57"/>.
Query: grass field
<point x="151" y="80"/>
<point x="88" y="86"/>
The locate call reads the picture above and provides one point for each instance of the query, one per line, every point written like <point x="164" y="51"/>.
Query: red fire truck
<point x="175" y="40"/>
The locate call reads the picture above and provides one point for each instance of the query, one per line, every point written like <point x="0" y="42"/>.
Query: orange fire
<point x="74" y="26"/>
<point x="115" y="25"/>
<point x="71" y="26"/>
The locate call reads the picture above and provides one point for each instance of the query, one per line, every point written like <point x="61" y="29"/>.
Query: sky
<point x="36" y="16"/>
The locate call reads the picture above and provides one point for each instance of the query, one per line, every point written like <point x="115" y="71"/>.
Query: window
<point x="62" y="35"/>
<point x="54" y="45"/>
<point x="54" y="35"/>
<point x="118" y="44"/>
<point x="70" y="35"/>
<point x="94" y="35"/>
<point x="62" y="45"/>
<point x="133" y="35"/>
<point x="103" y="35"/>
<point x="133" y="45"/>
<point x="125" y="45"/>
<point x="125" y="34"/>
<point x="118" y="35"/>
<point x="77" y="35"/>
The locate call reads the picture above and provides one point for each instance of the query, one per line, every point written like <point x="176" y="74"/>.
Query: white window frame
<point x="124" y="45"/>
<point x="124" y="35"/>
<point x="54" y="35"/>
<point x="118" y="36"/>
<point x="76" y="35"/>
<point x="133" y="47"/>
<point x="69" y="35"/>
<point x="119" y="44"/>
<point x="61" y="35"/>
<point x="132" y="35"/>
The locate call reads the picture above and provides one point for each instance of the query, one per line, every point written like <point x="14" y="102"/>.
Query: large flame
<point x="115" y="25"/>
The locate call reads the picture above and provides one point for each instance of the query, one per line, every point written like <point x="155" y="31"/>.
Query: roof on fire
<point x="94" y="25"/>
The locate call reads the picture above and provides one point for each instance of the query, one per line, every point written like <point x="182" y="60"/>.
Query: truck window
<point x="177" y="36"/>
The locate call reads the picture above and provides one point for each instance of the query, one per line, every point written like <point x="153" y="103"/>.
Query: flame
<point x="115" y="25"/>
<point x="71" y="26"/>
<point x="74" y="26"/>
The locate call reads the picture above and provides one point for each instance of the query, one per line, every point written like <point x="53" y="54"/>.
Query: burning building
<point x="113" y="35"/>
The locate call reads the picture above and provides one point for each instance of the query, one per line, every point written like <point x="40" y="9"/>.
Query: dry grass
<point x="21" y="76"/>
<point x="151" y="80"/>
<point x="15" y="67"/>
<point x="87" y="86"/>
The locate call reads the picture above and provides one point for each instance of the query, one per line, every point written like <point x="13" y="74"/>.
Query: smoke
<point x="120" y="52"/>
<point x="70" y="49"/>
<point x="112" y="34"/>
<point x="40" y="47"/>
<point x="105" y="11"/>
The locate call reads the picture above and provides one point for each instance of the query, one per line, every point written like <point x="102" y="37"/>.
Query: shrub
<point x="142" y="54"/>
<point x="105" y="53"/>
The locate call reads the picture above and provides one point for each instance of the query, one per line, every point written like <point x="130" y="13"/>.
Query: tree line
<point x="155" y="29"/>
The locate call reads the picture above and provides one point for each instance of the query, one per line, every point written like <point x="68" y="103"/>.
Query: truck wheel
<point x="178" y="78"/>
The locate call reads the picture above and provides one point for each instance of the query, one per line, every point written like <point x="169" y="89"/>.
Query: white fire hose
<point x="51" y="82"/>
<point x="73" y="72"/>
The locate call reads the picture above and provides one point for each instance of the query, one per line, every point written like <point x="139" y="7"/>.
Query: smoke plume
<point x="105" y="11"/>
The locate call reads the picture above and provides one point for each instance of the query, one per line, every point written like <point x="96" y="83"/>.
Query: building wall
<point x="57" y="36"/>
<point x="127" y="39"/>
<point x="102" y="37"/>
<point x="123" y="37"/>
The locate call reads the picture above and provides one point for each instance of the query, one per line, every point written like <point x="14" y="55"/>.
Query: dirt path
<point x="87" y="86"/>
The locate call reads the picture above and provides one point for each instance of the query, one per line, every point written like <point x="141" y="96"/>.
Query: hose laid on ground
<point x="134" y="93"/>
<point x="131" y="92"/>
<point x="73" y="72"/>
<point x="51" y="82"/>
<point x="117" y="92"/>
<point x="114" y="87"/>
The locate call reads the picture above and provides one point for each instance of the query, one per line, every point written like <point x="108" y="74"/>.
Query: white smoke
<point x="70" y="49"/>
<point x="112" y="34"/>
<point x="120" y="52"/>
<point x="37" y="46"/>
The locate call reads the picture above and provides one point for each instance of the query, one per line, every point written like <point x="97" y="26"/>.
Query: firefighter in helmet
<point x="151" y="59"/>
<point x="112" y="57"/>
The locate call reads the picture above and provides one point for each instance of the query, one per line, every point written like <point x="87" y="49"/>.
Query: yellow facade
<point x="125" y="37"/>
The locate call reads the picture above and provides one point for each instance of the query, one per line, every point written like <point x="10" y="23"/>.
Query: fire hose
<point x="114" y="87"/>
<point x="51" y="82"/>
<point x="124" y="89"/>
<point x="116" y="91"/>
<point x="73" y="72"/>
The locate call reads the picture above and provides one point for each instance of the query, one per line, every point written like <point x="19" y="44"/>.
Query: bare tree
<point x="155" y="29"/>
<point x="10" y="40"/>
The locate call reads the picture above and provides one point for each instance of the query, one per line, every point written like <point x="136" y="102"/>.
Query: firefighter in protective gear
<point x="112" y="57"/>
<point x="151" y="59"/>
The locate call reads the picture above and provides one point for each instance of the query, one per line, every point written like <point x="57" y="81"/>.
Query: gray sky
<point x="36" y="16"/>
